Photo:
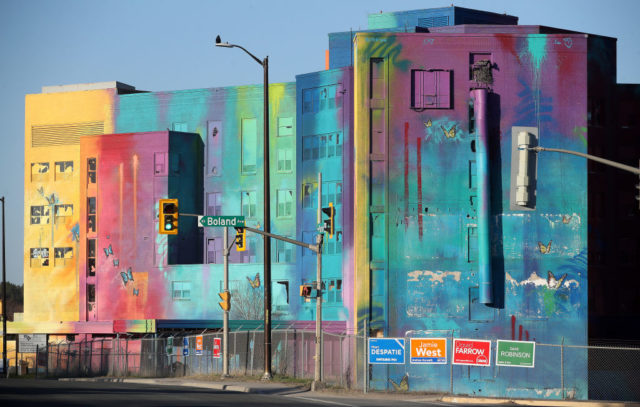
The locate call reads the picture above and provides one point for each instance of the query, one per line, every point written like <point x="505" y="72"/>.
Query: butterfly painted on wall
<point x="554" y="283"/>
<point x="404" y="384"/>
<point x="427" y="123"/>
<point x="126" y="277"/>
<point x="255" y="283"/>
<point x="136" y="291"/>
<point x="544" y="249"/>
<point x="116" y="262"/>
<point x="108" y="251"/>
<point x="566" y="219"/>
<point x="451" y="133"/>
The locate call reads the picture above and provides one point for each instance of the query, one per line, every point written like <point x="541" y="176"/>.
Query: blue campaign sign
<point x="386" y="351"/>
<point x="185" y="346"/>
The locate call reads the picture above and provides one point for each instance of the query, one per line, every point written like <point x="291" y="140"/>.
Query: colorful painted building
<point x="414" y="128"/>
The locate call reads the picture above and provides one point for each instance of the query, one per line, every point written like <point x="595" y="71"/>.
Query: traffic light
<point x="308" y="291"/>
<point x="522" y="194"/>
<point x="329" y="224"/>
<point x="305" y="290"/>
<point x="241" y="239"/>
<point x="225" y="304"/>
<point x="168" y="217"/>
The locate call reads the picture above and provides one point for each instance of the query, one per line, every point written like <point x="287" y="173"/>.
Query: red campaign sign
<point x="471" y="352"/>
<point x="216" y="347"/>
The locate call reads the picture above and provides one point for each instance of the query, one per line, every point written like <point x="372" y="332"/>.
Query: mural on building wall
<point x="414" y="146"/>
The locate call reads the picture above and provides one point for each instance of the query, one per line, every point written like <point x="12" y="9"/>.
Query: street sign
<point x="516" y="353"/>
<point x="29" y="343"/>
<point x="169" y="347"/>
<point x="199" y="345"/>
<point x="221" y="221"/>
<point x="386" y="351"/>
<point x="471" y="352"/>
<point x="428" y="351"/>
<point x="185" y="346"/>
<point x="216" y="348"/>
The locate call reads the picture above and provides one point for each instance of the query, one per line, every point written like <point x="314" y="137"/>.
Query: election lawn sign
<point x="386" y="351"/>
<point x="515" y="353"/>
<point x="472" y="352"/>
<point x="428" y="350"/>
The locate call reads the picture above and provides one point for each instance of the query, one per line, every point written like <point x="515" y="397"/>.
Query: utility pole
<point x="319" y="238"/>
<point x="4" y="299"/>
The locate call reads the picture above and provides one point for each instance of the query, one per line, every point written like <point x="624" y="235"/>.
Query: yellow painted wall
<point x="51" y="293"/>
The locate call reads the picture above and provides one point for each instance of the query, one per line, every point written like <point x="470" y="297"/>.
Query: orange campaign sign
<point x="198" y="345"/>
<point x="428" y="351"/>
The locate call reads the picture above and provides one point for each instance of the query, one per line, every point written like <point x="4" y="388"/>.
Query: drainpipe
<point x="480" y="108"/>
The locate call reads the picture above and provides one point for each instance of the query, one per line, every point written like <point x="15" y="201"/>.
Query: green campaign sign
<point x="516" y="353"/>
<point x="221" y="221"/>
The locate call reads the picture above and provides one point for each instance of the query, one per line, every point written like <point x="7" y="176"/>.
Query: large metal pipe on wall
<point x="480" y="110"/>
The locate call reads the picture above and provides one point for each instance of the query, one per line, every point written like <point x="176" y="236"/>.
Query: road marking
<point x="430" y="401"/>
<point x="322" y="401"/>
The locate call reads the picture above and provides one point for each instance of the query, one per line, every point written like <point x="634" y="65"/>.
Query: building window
<point x="214" y="148"/>
<point x="91" y="293"/>
<point x="326" y="145"/>
<point x="285" y="159"/>
<point x="319" y="99"/>
<point x="91" y="215"/>
<point x="180" y="126"/>
<point x="310" y="238"/>
<point x="91" y="257"/>
<point x="248" y="202"/>
<point x="214" y="204"/>
<point x="40" y="215"/>
<point x="285" y="126"/>
<point x="249" y="145"/>
<point x="214" y="251"/>
<point x="161" y="164"/>
<point x="284" y="252"/>
<point x="91" y="170"/>
<point x="280" y="294"/>
<point x="334" y="245"/>
<point x="39" y="256"/>
<point x="62" y="256"/>
<point x="39" y="172"/>
<point x="332" y="290"/>
<point x="64" y="170"/>
<point x="309" y="195"/>
<point x="62" y="211"/>
<point x="181" y="290"/>
<point x="331" y="192"/>
<point x="430" y="89"/>
<point x="472" y="244"/>
<point x="285" y="203"/>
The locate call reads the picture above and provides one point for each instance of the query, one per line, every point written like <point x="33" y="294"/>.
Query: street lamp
<point x="267" y="219"/>
<point x="4" y="300"/>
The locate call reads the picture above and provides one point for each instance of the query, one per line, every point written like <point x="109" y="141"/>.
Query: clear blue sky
<point x="165" y="45"/>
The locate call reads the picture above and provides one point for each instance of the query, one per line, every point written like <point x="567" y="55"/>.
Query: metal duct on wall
<point x="484" y="195"/>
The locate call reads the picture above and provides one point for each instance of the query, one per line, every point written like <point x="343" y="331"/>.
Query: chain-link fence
<point x="560" y="371"/>
<point x="293" y="354"/>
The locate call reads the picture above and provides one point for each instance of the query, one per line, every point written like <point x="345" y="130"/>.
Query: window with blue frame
<point x="249" y="145"/>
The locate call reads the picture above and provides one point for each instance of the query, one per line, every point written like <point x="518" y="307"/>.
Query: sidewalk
<point x="259" y="387"/>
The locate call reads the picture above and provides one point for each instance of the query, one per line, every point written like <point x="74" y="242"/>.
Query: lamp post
<point x="4" y="298"/>
<point x="267" y="219"/>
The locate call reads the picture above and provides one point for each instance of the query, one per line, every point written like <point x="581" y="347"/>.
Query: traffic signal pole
<point x="319" y="238"/>
<point x="225" y="322"/>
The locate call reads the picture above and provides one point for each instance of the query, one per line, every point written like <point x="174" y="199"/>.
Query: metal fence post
<point x="562" y="367"/>
<point x="365" y="367"/>
<point x="451" y="367"/>
<point x="36" y="362"/>
<point x="126" y="357"/>
<point x="90" y="357"/>
<point x="101" y="354"/>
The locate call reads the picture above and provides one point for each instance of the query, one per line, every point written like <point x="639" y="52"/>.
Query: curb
<point x="532" y="402"/>
<point x="197" y="384"/>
